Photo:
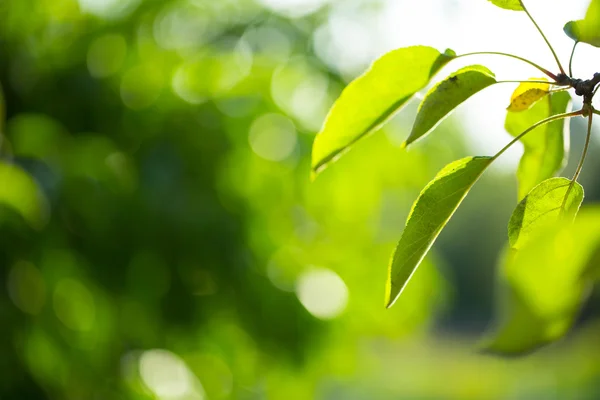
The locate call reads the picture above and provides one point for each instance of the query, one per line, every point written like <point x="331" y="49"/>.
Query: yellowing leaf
<point x="526" y="94"/>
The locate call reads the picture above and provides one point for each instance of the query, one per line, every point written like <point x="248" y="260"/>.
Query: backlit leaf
<point x="586" y="30"/>
<point x="447" y="95"/>
<point x="526" y="94"/>
<point x="541" y="208"/>
<point x="518" y="329"/>
<point x="546" y="147"/>
<point x="373" y="98"/>
<point x="525" y="322"/>
<point x="508" y="4"/>
<point x="430" y="213"/>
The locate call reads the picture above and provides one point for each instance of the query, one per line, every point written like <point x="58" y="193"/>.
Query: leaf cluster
<point x="539" y="296"/>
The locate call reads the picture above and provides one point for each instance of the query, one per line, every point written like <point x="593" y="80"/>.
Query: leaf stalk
<point x="537" y="124"/>
<point x="497" y="53"/>
<point x="590" y="115"/>
<point x="543" y="36"/>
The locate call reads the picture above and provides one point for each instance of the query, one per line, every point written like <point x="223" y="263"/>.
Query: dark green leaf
<point x="541" y="208"/>
<point x="546" y="147"/>
<point x="514" y="5"/>
<point x="373" y="98"/>
<point x="447" y="95"/>
<point x="430" y="213"/>
<point x="586" y="30"/>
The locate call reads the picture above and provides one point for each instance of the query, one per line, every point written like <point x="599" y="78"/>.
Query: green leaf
<point x="447" y="95"/>
<point x="430" y="213"/>
<point x="546" y="147"/>
<point x="541" y="208"/>
<point x="373" y="98"/>
<point x="20" y="192"/>
<point x="524" y="324"/>
<point x="586" y="30"/>
<point x="514" y="5"/>
<point x="518" y="329"/>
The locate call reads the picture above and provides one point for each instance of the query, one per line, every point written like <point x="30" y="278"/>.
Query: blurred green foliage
<point x="160" y="238"/>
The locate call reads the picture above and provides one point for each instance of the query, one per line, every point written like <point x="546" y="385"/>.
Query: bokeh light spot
<point x="74" y="305"/>
<point x="273" y="137"/>
<point x="301" y="91"/>
<point x="187" y="87"/>
<point x="26" y="287"/>
<point x="165" y="374"/>
<point x="181" y="27"/>
<point x="109" y="9"/>
<point x="322" y="292"/>
<point x="21" y="193"/>
<point x="294" y="8"/>
<point x="141" y="86"/>
<point x="106" y="55"/>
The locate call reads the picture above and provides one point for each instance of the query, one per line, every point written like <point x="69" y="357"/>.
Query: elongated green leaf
<point x="514" y="5"/>
<point x="373" y="98"/>
<point x="541" y="208"/>
<point x="586" y="30"/>
<point x="447" y="95"/>
<point x="20" y="192"/>
<point x="430" y="213"/>
<point x="546" y="147"/>
<point x="523" y="324"/>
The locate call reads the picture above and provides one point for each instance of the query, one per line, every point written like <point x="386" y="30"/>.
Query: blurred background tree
<point x="160" y="238"/>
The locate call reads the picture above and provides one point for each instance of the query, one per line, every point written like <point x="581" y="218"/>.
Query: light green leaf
<point x="373" y="98"/>
<point x="586" y="30"/>
<point x="541" y="209"/>
<point x="430" y="213"/>
<point x="514" y="5"/>
<point x="518" y="329"/>
<point x="526" y="321"/>
<point x="546" y="147"/>
<point x="20" y="192"/>
<point x="447" y="95"/>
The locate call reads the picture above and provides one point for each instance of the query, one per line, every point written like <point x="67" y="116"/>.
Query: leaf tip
<point x="389" y="298"/>
<point x="389" y="302"/>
